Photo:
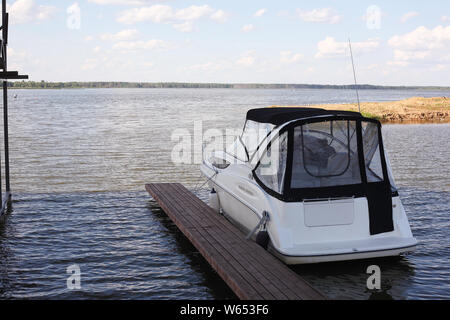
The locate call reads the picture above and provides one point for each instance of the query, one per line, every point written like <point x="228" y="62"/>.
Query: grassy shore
<point x="412" y="110"/>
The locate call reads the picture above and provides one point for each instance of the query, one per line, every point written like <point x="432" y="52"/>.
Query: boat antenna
<point x="354" y="75"/>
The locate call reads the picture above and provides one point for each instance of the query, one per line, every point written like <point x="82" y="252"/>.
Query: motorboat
<point x="311" y="186"/>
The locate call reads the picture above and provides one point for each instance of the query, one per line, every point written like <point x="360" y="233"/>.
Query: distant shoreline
<point x="412" y="110"/>
<point x="183" y="85"/>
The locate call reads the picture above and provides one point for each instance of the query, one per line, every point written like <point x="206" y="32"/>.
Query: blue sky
<point x="394" y="42"/>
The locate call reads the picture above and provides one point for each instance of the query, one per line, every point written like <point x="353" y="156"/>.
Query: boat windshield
<point x="254" y="134"/>
<point x="247" y="144"/>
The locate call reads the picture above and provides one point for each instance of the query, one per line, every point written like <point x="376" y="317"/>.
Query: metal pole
<point x="1" y="195"/>
<point x="5" y="98"/>
<point x="5" y="127"/>
<point x="4" y="95"/>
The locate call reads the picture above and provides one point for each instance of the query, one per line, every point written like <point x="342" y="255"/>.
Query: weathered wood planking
<point x="249" y="270"/>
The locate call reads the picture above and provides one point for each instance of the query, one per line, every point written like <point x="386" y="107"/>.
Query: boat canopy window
<point x="254" y="134"/>
<point x="391" y="175"/>
<point x="245" y="146"/>
<point x="372" y="156"/>
<point x="237" y="150"/>
<point x="325" y="155"/>
<point x="324" y="158"/>
<point x="272" y="167"/>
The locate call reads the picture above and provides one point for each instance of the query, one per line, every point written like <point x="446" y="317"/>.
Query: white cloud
<point x="121" y="2"/>
<point x="439" y="67"/>
<point x="330" y="48"/>
<point x="209" y="66"/>
<point x="445" y="18"/>
<point x="372" y="66"/>
<point x="97" y="49"/>
<point x="187" y="26"/>
<point x="409" y="15"/>
<point x="16" y="55"/>
<point x="323" y="15"/>
<point x="290" y="57"/>
<point x="128" y="34"/>
<point x="248" y="59"/>
<point x="248" y="28"/>
<point x="89" y="64"/>
<point x="88" y="38"/>
<point x="398" y="63"/>
<point x="422" y="46"/>
<point x="166" y="14"/>
<point x="156" y="13"/>
<point x="23" y="11"/>
<point x="220" y="16"/>
<point x="22" y="60"/>
<point x="410" y="55"/>
<point x="422" y="38"/>
<point x="140" y="45"/>
<point x="193" y="13"/>
<point x="260" y="12"/>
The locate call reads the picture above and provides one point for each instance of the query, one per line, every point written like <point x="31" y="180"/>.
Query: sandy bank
<point x="412" y="110"/>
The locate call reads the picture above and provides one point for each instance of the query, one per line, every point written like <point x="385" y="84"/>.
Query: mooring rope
<point x="196" y="189"/>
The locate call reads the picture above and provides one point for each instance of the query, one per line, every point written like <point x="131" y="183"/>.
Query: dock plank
<point x="249" y="270"/>
<point x="277" y="270"/>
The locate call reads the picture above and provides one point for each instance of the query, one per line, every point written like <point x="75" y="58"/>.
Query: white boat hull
<point x="354" y="254"/>
<point x="298" y="237"/>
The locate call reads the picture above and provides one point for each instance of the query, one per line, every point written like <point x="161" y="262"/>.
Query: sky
<point x="394" y="42"/>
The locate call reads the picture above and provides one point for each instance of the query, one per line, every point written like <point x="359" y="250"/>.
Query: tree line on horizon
<point x="155" y="85"/>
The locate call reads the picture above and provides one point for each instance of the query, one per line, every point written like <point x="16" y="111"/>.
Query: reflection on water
<point x="216" y="287"/>
<point x="125" y="245"/>
<point x="80" y="159"/>
<point x="423" y="274"/>
<point x="397" y="274"/>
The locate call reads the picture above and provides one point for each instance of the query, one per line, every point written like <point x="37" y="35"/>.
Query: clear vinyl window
<point x="245" y="146"/>
<point x="254" y="134"/>
<point x="390" y="174"/>
<point x="272" y="166"/>
<point x="372" y="156"/>
<point x="325" y="154"/>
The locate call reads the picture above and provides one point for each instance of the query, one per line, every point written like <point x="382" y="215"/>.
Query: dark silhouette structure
<point x="6" y="75"/>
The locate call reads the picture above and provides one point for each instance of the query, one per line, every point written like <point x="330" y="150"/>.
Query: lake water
<point x="79" y="162"/>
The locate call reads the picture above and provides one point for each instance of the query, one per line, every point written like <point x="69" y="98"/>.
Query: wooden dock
<point x="249" y="270"/>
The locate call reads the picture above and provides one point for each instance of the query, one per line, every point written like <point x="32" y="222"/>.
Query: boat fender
<point x="214" y="201"/>
<point x="262" y="238"/>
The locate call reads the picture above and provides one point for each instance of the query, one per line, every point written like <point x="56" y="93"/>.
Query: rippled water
<point x="79" y="162"/>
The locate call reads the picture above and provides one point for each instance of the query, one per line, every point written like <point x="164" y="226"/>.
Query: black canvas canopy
<point x="325" y="154"/>
<point x="281" y="115"/>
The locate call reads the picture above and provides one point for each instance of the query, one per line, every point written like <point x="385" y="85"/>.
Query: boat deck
<point x="249" y="270"/>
